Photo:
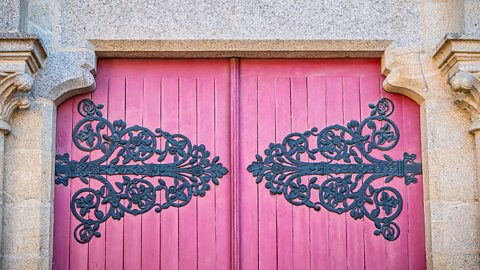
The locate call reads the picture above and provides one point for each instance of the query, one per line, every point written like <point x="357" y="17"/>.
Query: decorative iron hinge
<point x="291" y="169"/>
<point x="138" y="155"/>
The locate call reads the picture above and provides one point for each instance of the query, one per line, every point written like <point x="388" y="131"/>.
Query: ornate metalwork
<point x="349" y="166"/>
<point x="138" y="155"/>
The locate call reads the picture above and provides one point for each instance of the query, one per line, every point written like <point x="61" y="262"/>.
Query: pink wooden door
<point x="237" y="110"/>
<point x="189" y="97"/>
<point x="279" y="97"/>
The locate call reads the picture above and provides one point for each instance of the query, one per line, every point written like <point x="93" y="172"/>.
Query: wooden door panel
<point x="283" y="96"/>
<point x="178" y="96"/>
<point x="275" y="98"/>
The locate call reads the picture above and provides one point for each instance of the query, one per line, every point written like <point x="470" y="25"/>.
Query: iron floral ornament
<point x="348" y="167"/>
<point x="138" y="155"/>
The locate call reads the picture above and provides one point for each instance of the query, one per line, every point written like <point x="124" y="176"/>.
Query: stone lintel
<point x="239" y="48"/>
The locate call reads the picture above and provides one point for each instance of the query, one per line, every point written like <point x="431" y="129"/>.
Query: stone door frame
<point x="28" y="215"/>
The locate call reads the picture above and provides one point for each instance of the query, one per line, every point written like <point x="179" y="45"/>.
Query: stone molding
<point x="458" y="52"/>
<point x="458" y="57"/>
<point x="21" y="56"/>
<point x="14" y="94"/>
<point x="124" y="48"/>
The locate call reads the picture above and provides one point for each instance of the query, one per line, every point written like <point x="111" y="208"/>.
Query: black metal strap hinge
<point x="344" y="180"/>
<point x="136" y="154"/>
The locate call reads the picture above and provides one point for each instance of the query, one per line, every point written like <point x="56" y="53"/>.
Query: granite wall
<point x="408" y="35"/>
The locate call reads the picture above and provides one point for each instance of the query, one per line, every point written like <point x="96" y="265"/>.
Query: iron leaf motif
<point x="142" y="165"/>
<point x="341" y="171"/>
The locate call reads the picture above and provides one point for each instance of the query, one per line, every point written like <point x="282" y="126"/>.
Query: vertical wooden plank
<point x="62" y="231"/>
<point x="78" y="252"/>
<point x="151" y="220"/>
<point x="223" y="192"/>
<point x="132" y="226"/>
<point x="416" y="225"/>
<point x="355" y="245"/>
<point x="187" y="215"/>
<point x="319" y="242"/>
<point x="266" y="202"/>
<point x="96" y="247"/>
<point x="169" y="224"/>
<point x="375" y="257"/>
<point x="336" y="222"/>
<point x="301" y="217"/>
<point x="397" y="251"/>
<point x="206" y="204"/>
<point x="76" y="249"/>
<point x="114" y="228"/>
<point x="248" y="189"/>
<point x="284" y="208"/>
<point x="234" y="75"/>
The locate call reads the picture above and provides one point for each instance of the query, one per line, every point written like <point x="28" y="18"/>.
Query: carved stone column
<point x="21" y="56"/>
<point x="467" y="88"/>
<point x="458" y="57"/>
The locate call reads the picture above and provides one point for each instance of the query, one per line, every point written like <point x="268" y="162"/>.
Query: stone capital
<point x="458" y="57"/>
<point x="21" y="56"/>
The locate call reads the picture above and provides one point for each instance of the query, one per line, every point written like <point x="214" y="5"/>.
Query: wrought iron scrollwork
<point x="349" y="168"/>
<point x="138" y="155"/>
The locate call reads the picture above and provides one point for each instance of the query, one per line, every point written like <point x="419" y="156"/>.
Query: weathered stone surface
<point x="450" y="180"/>
<point x="76" y="32"/>
<point x="26" y="262"/>
<point x="451" y="175"/>
<point x="458" y="52"/>
<point x="446" y="125"/>
<point x="28" y="218"/>
<point x="66" y="74"/>
<point x="264" y="20"/>
<point x="462" y="234"/>
<point x="29" y="159"/>
<point x="437" y="22"/>
<point x="239" y="48"/>
<point x="472" y="16"/>
<point x="12" y="13"/>
<point x="40" y="20"/>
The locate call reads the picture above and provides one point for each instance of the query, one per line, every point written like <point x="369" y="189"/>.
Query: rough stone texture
<point x="239" y="48"/>
<point x="40" y="19"/>
<point x="21" y="56"/>
<point x="436" y="22"/>
<point x="66" y="74"/>
<point x="271" y="19"/>
<point x="28" y="222"/>
<point x="472" y="16"/>
<point x="13" y="16"/>
<point x="458" y="52"/>
<point x="451" y="187"/>
<point x="75" y="32"/>
<point x="21" y="53"/>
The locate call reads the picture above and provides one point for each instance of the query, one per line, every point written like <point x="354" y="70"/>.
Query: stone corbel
<point x="404" y="73"/>
<point x="467" y="88"/>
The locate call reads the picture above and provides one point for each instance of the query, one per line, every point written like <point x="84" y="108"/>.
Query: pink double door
<point x="241" y="111"/>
